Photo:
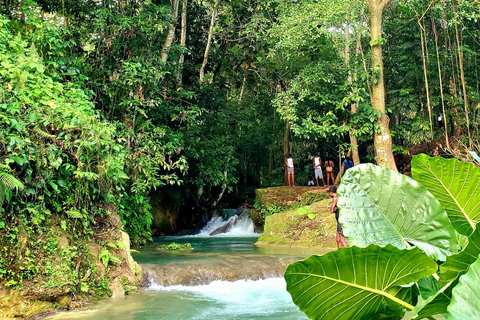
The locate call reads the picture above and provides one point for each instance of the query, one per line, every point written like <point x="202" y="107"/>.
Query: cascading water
<point x="218" y="300"/>
<point x="239" y="224"/>
<point x="225" y="277"/>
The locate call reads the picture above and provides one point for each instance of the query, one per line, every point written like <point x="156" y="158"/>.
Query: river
<point x="224" y="277"/>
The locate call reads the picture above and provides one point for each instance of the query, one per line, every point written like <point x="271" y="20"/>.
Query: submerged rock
<point x="228" y="268"/>
<point x="226" y="227"/>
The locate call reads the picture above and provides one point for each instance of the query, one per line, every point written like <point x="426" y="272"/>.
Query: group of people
<point x="317" y="168"/>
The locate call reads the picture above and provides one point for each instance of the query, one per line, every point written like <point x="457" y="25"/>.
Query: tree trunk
<point x="183" y="41"/>
<point x="224" y="188"/>
<point x="462" y="77"/>
<point x="270" y="165"/>
<point x="423" y="36"/>
<point x="341" y="169"/>
<point x="382" y="139"/>
<point x="245" y="167"/>
<point x="440" y="79"/>
<point x="286" y="149"/>
<point x="354" y="106"/>
<point x="209" y="41"/>
<point x="242" y="89"/>
<point x="171" y="31"/>
<point x="286" y="136"/>
<point x="65" y="18"/>
<point x="364" y="61"/>
<point x="274" y="142"/>
<point x="20" y="11"/>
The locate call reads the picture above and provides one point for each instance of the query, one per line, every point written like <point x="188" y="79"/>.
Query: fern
<point x="74" y="214"/>
<point x="44" y="133"/>
<point x="8" y="182"/>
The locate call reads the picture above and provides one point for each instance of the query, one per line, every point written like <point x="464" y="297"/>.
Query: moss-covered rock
<point x="64" y="269"/>
<point x="291" y="229"/>
<point x="276" y="199"/>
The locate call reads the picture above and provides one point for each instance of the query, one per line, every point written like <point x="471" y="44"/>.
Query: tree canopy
<point x="110" y="102"/>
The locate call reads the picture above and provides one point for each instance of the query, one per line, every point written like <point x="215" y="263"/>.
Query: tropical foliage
<point x="455" y="185"/>
<point x="381" y="207"/>
<point x="107" y="106"/>
<point x="358" y="283"/>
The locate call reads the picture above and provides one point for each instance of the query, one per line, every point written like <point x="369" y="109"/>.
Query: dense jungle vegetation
<point x="106" y="104"/>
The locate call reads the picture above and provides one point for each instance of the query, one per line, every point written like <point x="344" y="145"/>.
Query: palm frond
<point x="3" y="191"/>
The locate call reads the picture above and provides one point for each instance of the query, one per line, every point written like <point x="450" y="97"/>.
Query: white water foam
<point x="239" y="298"/>
<point x="242" y="226"/>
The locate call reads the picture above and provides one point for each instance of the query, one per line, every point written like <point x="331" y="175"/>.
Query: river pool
<point x="242" y="299"/>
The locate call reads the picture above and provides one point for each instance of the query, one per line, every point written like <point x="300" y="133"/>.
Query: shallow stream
<point x="224" y="277"/>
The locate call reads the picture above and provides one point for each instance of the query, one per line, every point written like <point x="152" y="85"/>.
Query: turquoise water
<point x="236" y="300"/>
<point x="204" y="247"/>
<point x="239" y="300"/>
<point x="213" y="248"/>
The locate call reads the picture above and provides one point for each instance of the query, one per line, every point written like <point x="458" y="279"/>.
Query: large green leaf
<point x="427" y="287"/>
<point x="458" y="264"/>
<point x="435" y="304"/>
<point x="357" y="283"/>
<point x="381" y="206"/>
<point x="455" y="266"/>
<point x="465" y="303"/>
<point x="455" y="184"/>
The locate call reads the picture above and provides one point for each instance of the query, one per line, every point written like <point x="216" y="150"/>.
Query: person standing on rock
<point x="310" y="181"/>
<point x="329" y="169"/>
<point x="340" y="238"/>
<point x="317" y="167"/>
<point x="290" y="171"/>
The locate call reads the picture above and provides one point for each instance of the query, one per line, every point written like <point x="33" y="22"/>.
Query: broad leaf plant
<point x="414" y="247"/>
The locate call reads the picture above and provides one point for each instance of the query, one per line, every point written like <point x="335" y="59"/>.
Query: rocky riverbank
<point x="277" y="212"/>
<point x="66" y="270"/>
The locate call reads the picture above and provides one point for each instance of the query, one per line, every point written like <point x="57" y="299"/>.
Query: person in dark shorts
<point x="310" y="181"/>
<point x="340" y="238"/>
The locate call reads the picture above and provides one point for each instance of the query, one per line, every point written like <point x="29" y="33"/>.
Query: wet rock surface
<point x="231" y="268"/>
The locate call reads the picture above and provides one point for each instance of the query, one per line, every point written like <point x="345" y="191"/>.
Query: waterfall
<point x="239" y="224"/>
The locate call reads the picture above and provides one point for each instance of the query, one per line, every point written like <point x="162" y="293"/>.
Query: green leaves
<point x="305" y="210"/>
<point x="455" y="184"/>
<point x="357" y="283"/>
<point x="458" y="264"/>
<point x="106" y="257"/>
<point x="381" y="206"/>
<point x="466" y="296"/>
<point x="8" y="182"/>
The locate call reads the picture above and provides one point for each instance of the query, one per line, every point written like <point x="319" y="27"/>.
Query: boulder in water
<point x="226" y="227"/>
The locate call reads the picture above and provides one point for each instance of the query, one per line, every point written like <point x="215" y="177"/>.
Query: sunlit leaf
<point x="466" y="295"/>
<point x="378" y="205"/>
<point x="357" y="283"/>
<point x="455" y="184"/>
